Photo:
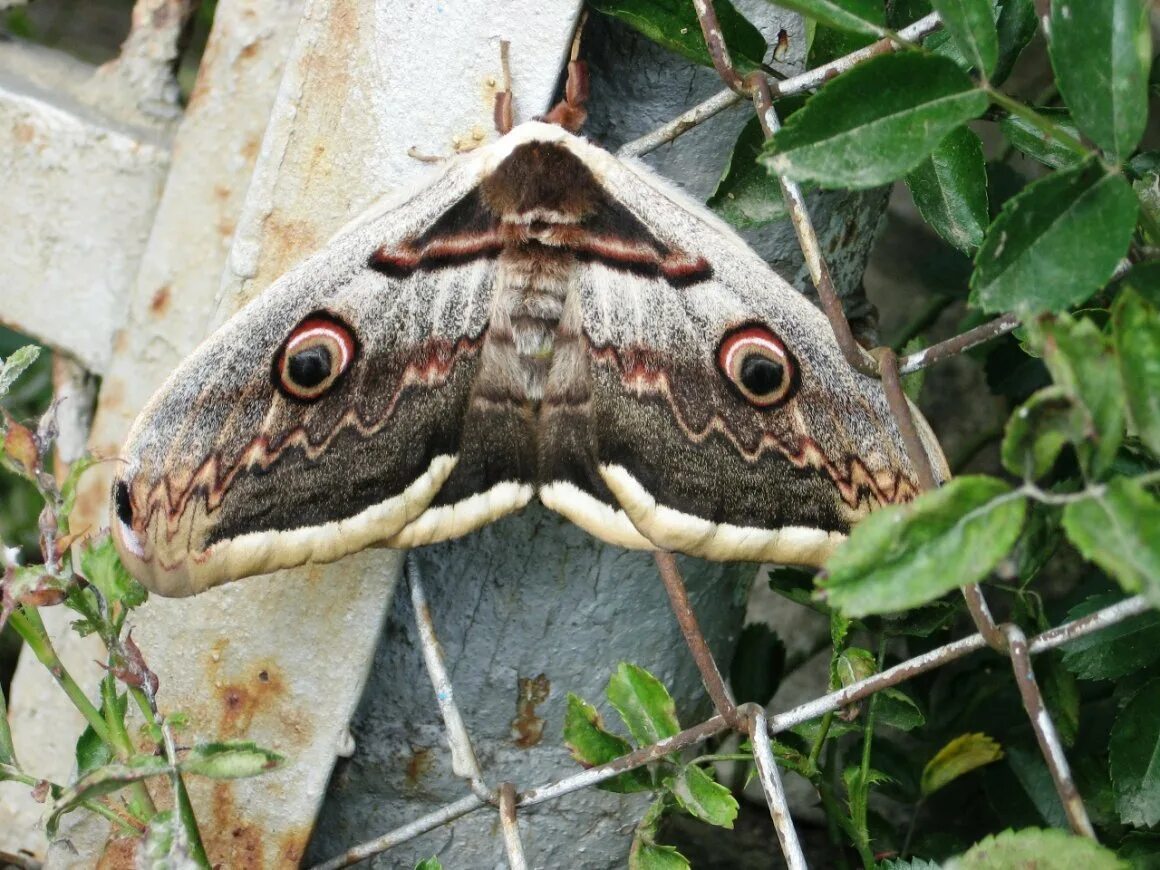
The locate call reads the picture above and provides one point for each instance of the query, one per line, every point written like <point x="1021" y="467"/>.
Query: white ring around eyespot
<point x="340" y="338"/>
<point x="744" y="343"/>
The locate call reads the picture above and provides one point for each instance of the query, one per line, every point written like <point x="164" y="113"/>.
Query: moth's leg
<point x="570" y="113"/>
<point x="503" y="113"/>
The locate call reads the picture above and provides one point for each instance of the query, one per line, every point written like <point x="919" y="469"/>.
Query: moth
<point x="540" y="320"/>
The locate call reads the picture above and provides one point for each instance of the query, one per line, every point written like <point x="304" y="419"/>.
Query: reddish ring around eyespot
<point x="757" y="365"/>
<point x="318" y="351"/>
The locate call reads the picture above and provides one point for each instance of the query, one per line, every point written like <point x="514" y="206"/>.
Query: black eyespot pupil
<point x="122" y="503"/>
<point x="761" y="375"/>
<point x="309" y="368"/>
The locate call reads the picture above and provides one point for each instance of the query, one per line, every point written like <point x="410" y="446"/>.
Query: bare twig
<point x="683" y="610"/>
<point x="463" y="760"/>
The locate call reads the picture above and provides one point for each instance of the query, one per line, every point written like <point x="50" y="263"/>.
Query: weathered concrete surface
<point x="79" y="191"/>
<point x="169" y="298"/>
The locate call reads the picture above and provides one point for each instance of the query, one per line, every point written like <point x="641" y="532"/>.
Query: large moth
<point x="541" y="319"/>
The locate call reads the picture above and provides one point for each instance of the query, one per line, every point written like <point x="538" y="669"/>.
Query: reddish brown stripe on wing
<point x="439" y="253"/>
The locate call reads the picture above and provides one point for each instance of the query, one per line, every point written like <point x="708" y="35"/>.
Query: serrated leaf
<point x="1038" y="430"/>
<point x="703" y="797"/>
<point x="431" y="863"/>
<point x="898" y="710"/>
<point x="674" y="25"/>
<point x="959" y="757"/>
<point x="854" y="16"/>
<point x="102" y="567"/>
<point x="643" y="703"/>
<point x="950" y="190"/>
<point x="747" y="196"/>
<point x="1134" y="757"/>
<point x="1016" y="25"/>
<point x="905" y="555"/>
<point x="1119" y="530"/>
<point x="1040" y="145"/>
<point x="1056" y="243"/>
<point x="68" y="490"/>
<point x="1038" y="848"/>
<point x="591" y="745"/>
<point x="229" y="760"/>
<point x="1116" y="650"/>
<point x="912" y="864"/>
<point x="1082" y="362"/>
<point x="102" y="781"/>
<point x="1101" y="51"/>
<point x="971" y="24"/>
<point x="876" y="122"/>
<point x="1136" y="335"/>
<point x="15" y="365"/>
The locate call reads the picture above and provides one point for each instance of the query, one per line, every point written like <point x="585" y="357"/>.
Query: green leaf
<point x="1056" y="243"/>
<point x="1119" y="530"/>
<point x="905" y="555"/>
<point x="876" y="122"/>
<point x="643" y="703"/>
<point x="1134" y="757"/>
<point x="1038" y="848"/>
<point x="431" y="863"/>
<point x="68" y="490"/>
<point x="7" y="750"/>
<point x="93" y="752"/>
<point x="233" y="759"/>
<point x="102" y="781"/>
<point x="1115" y="651"/>
<point x="646" y="853"/>
<point x="14" y="366"/>
<point x="965" y="753"/>
<point x="950" y="190"/>
<point x="972" y="25"/>
<point x="673" y="24"/>
<point x="855" y="16"/>
<point x="853" y="665"/>
<point x="102" y="567"/>
<point x="1101" y="51"/>
<point x="1144" y="278"/>
<point x="1147" y="190"/>
<point x="1082" y="362"/>
<point x="747" y="195"/>
<point x="1039" y="145"/>
<point x="591" y="745"/>
<point x="912" y="864"/>
<point x="898" y="710"/>
<point x="701" y="796"/>
<point x="1016" y="25"/>
<point x="653" y="856"/>
<point x="758" y="663"/>
<point x="1136" y="334"/>
<point x="1039" y="428"/>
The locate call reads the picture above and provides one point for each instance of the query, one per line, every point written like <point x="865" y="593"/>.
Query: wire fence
<point x="751" y="720"/>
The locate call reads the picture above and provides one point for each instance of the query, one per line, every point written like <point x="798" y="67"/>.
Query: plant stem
<point x="140" y="802"/>
<point x="819" y="742"/>
<point x="30" y="627"/>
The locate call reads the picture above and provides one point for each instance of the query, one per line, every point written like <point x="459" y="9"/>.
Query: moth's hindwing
<point x="542" y="319"/>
